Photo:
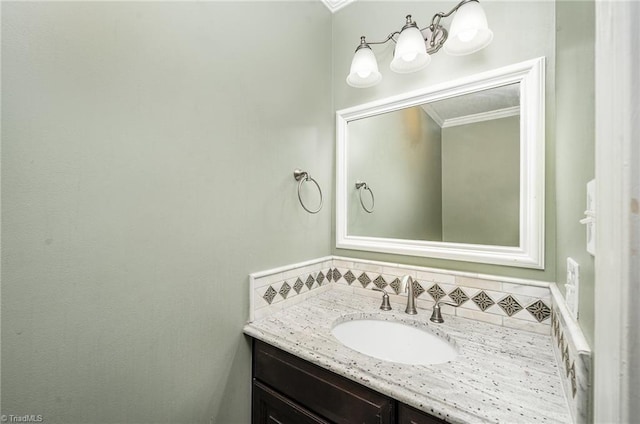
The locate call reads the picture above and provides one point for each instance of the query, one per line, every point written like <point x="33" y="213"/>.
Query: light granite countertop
<point x="501" y="375"/>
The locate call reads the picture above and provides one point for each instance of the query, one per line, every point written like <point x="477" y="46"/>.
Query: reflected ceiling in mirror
<point x="454" y="171"/>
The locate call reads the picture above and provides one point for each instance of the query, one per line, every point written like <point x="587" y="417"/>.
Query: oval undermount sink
<point x="394" y="341"/>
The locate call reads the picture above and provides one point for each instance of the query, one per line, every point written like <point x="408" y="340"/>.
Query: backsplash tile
<point x="573" y="356"/>
<point x="483" y="301"/>
<point x="539" y="310"/>
<point x="510" y="305"/>
<point x="508" y="302"/>
<point x="458" y="296"/>
<point x="436" y="292"/>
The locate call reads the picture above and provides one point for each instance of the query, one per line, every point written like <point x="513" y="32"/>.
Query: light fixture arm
<point x="435" y="28"/>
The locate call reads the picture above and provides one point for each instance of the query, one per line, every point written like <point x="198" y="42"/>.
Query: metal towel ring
<point x="362" y="185"/>
<point x="301" y="177"/>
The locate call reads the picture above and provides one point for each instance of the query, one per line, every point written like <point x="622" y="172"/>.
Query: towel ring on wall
<point x="301" y="177"/>
<point x="360" y="185"/>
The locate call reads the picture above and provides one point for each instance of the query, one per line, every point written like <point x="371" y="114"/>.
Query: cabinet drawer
<point x="270" y="407"/>
<point x="329" y="395"/>
<point x="409" y="415"/>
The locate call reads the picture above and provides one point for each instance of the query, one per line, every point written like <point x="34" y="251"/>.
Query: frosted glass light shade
<point x="469" y="30"/>
<point x="411" y="52"/>
<point x="364" y="69"/>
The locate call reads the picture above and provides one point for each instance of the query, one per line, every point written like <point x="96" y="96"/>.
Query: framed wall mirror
<point x="454" y="171"/>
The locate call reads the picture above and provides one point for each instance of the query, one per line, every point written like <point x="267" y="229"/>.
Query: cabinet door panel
<point x="269" y="407"/>
<point x="327" y="394"/>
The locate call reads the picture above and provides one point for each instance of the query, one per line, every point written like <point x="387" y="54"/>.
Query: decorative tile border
<point x="514" y="303"/>
<point x="277" y="288"/>
<point x="573" y="356"/>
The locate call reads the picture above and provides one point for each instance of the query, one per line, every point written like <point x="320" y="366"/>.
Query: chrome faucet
<point x="406" y="285"/>
<point x="436" y="315"/>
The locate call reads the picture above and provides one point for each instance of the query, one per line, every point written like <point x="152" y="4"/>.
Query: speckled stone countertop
<point x="501" y="375"/>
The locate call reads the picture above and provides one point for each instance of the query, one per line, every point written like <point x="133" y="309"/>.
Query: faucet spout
<point x="406" y="285"/>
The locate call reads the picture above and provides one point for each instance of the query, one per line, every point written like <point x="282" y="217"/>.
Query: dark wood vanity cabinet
<point x="290" y="390"/>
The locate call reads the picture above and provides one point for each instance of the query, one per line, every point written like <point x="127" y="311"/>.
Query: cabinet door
<point x="269" y="407"/>
<point x="409" y="415"/>
<point x="337" y="399"/>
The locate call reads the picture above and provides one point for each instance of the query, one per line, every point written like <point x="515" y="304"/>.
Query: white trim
<point x="431" y="111"/>
<point x="481" y="117"/>
<point x="455" y="273"/>
<point x="284" y="268"/>
<point x="572" y="326"/>
<point x="335" y="5"/>
<point x="617" y="112"/>
<point x="530" y="252"/>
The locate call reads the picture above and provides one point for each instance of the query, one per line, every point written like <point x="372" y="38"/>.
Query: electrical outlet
<point x="572" y="286"/>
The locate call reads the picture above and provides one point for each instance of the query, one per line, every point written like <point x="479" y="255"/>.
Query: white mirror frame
<point x="530" y="252"/>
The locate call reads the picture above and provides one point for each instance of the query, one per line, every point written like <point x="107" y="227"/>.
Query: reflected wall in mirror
<point x="457" y="170"/>
<point x="442" y="171"/>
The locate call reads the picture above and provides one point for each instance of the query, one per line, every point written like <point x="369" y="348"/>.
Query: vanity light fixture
<point x="469" y="33"/>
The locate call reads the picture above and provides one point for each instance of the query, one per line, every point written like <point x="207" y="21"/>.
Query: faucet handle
<point x="385" y="299"/>
<point x="436" y="315"/>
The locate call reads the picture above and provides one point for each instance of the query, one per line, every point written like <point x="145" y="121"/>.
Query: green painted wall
<point x="147" y="159"/>
<point x="523" y="30"/>
<point x="575" y="144"/>
<point x="481" y="182"/>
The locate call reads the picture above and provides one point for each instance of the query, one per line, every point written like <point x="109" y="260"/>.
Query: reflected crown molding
<point x="471" y="119"/>
<point x="335" y="5"/>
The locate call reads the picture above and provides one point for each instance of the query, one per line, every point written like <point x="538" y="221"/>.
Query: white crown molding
<point x="470" y="119"/>
<point x="433" y="114"/>
<point x="482" y="116"/>
<point x="335" y="5"/>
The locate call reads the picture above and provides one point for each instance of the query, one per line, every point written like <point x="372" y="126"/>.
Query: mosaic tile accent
<point x="483" y="301"/>
<point x="364" y="279"/>
<point x="349" y="277"/>
<point x="436" y="292"/>
<point x="284" y="290"/>
<point x="510" y="305"/>
<point x="459" y="296"/>
<point x="309" y="282"/>
<point x="483" y="292"/>
<point x="269" y="295"/>
<point x="574" y="365"/>
<point x="572" y="374"/>
<point x="298" y="285"/>
<point x="336" y="274"/>
<point x="379" y="282"/>
<point x="539" y="310"/>
<point x="395" y="285"/>
<point x="417" y="288"/>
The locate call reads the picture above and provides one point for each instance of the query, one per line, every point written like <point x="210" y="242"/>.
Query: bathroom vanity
<point x="289" y="389"/>
<point x="303" y="374"/>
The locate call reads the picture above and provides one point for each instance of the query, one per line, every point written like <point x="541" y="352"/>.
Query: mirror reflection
<point x="447" y="170"/>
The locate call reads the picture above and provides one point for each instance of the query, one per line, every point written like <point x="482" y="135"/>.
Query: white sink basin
<point x="394" y="341"/>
